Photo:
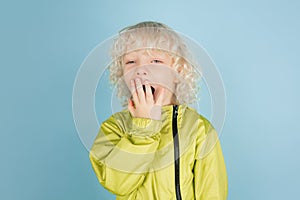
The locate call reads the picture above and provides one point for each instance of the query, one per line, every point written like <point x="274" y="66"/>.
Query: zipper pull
<point x="175" y="111"/>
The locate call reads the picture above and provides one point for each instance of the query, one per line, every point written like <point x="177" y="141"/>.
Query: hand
<point x="143" y="104"/>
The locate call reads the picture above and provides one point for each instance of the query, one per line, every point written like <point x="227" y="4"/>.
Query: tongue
<point x="152" y="89"/>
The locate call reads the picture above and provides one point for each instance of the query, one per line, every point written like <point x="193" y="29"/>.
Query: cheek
<point x="164" y="73"/>
<point x="128" y="76"/>
<point x="127" y="80"/>
<point x="165" y="78"/>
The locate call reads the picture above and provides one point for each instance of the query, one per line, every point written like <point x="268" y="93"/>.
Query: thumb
<point x="130" y="106"/>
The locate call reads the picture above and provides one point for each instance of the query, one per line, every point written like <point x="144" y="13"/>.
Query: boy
<point x="158" y="148"/>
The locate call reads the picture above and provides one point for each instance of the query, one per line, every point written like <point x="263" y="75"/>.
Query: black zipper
<point x="176" y="151"/>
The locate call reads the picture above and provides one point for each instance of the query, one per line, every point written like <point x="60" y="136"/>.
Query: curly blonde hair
<point x="154" y="35"/>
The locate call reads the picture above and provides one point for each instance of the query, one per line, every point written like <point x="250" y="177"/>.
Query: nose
<point x="141" y="72"/>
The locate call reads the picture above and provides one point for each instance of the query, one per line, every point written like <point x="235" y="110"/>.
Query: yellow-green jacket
<point x="134" y="158"/>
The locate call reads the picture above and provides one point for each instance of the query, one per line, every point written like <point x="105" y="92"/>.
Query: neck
<point x="169" y="100"/>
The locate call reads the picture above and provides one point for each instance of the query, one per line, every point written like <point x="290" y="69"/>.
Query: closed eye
<point x="130" y="62"/>
<point x="156" y="61"/>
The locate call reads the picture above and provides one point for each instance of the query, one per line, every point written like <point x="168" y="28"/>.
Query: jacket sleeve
<point x="122" y="155"/>
<point x="209" y="169"/>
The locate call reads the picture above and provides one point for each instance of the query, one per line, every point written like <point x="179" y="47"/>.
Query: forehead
<point x="148" y="52"/>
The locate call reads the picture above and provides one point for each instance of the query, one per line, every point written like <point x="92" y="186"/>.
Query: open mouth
<point x="152" y="89"/>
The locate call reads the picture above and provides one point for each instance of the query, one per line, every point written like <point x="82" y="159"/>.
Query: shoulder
<point x="122" y="115"/>
<point x="191" y="115"/>
<point x="119" y="119"/>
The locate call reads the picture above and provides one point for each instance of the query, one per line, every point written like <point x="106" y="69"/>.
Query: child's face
<point x="153" y="66"/>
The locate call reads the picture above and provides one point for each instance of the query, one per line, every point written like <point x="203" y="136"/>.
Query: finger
<point x="131" y="103"/>
<point x="133" y="91"/>
<point x="140" y="91"/>
<point x="149" y="95"/>
<point x="131" y="107"/>
<point x="160" y="97"/>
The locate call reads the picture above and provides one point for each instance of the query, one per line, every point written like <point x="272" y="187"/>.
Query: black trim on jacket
<point x="176" y="152"/>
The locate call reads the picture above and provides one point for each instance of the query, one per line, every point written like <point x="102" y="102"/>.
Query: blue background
<point x="255" y="45"/>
